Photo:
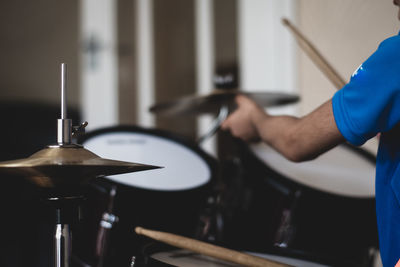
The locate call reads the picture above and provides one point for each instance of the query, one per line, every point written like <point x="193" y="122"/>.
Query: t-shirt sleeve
<point x="370" y="102"/>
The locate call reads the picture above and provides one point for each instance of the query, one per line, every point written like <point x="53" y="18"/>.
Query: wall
<point x="346" y="33"/>
<point x="36" y="36"/>
<point x="174" y="59"/>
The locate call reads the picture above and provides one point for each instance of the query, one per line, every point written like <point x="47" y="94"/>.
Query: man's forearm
<point x="300" y="139"/>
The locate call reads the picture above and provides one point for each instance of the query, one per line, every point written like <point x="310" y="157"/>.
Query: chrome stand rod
<point x="63" y="91"/>
<point x="62" y="245"/>
<point x="66" y="214"/>
<point x="64" y="125"/>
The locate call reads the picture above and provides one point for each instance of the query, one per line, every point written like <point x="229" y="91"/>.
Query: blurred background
<point x="125" y="55"/>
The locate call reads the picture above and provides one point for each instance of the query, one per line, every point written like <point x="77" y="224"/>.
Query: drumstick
<point x="207" y="249"/>
<point x="315" y="56"/>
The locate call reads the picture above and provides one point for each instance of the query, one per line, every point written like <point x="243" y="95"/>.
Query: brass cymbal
<point x="212" y="102"/>
<point x="70" y="165"/>
<point x="66" y="164"/>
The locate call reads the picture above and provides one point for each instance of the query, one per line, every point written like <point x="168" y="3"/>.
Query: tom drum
<point x="321" y="210"/>
<point x="167" y="199"/>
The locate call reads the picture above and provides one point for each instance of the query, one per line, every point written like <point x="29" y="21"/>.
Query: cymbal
<point x="212" y="102"/>
<point x="70" y="165"/>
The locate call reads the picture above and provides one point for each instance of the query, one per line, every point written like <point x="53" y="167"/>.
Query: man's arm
<point x="298" y="139"/>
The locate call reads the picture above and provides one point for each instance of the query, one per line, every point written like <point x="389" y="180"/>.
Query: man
<point x="369" y="104"/>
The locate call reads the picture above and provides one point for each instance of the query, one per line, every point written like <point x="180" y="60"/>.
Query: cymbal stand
<point x="66" y="206"/>
<point x="65" y="130"/>
<point x="211" y="221"/>
<point x="66" y="212"/>
<point x="216" y="124"/>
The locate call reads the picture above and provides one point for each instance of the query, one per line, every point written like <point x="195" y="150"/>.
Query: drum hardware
<point x="133" y="260"/>
<point x="79" y="130"/>
<point x="107" y="222"/>
<point x="62" y="168"/>
<point x="207" y="249"/>
<point x="215" y="124"/>
<point x="66" y="212"/>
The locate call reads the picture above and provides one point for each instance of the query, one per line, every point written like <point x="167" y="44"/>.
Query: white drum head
<point x="183" y="168"/>
<point x="339" y="171"/>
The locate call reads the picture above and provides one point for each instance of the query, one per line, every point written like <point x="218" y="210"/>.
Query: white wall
<point x="36" y="37"/>
<point x="99" y="68"/>
<point x="266" y="51"/>
<point x="145" y="61"/>
<point x="204" y="30"/>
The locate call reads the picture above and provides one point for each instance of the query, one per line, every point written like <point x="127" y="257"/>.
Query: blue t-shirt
<point x="370" y="104"/>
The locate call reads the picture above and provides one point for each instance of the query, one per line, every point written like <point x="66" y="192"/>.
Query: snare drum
<point x="167" y="199"/>
<point x="321" y="210"/>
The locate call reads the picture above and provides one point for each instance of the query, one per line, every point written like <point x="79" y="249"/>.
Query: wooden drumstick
<point x="315" y="56"/>
<point x="208" y="249"/>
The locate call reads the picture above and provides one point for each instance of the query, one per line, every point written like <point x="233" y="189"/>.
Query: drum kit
<point x="302" y="214"/>
<point x="251" y="199"/>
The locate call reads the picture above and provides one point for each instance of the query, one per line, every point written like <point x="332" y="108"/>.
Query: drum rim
<point x="210" y="161"/>
<point x="153" y="247"/>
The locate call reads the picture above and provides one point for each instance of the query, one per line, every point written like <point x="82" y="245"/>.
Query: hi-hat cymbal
<point x="211" y="103"/>
<point x="65" y="166"/>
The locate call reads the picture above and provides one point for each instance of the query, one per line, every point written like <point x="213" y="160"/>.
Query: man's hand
<point x="242" y="122"/>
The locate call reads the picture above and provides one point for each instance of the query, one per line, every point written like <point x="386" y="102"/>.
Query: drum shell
<point x="280" y="216"/>
<point x="174" y="211"/>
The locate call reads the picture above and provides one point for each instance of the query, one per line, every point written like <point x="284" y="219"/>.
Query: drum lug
<point x="108" y="220"/>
